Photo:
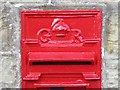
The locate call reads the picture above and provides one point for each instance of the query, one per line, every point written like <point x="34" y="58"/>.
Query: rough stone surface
<point x="10" y="74"/>
<point x="112" y="33"/>
<point x="0" y="46"/>
<point x="10" y="43"/>
<point x="60" y="0"/>
<point x="111" y="70"/>
<point x="10" y="60"/>
<point x="43" y="1"/>
<point x="87" y="1"/>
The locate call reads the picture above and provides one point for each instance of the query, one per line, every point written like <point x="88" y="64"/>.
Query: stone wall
<point x="10" y="58"/>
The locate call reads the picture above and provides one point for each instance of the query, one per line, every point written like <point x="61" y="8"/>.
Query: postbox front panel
<point x="61" y="50"/>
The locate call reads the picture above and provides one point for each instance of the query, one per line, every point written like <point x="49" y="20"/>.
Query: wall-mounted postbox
<point x="61" y="50"/>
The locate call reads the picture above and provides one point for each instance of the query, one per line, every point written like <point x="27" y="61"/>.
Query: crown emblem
<point x="60" y="27"/>
<point x="59" y="32"/>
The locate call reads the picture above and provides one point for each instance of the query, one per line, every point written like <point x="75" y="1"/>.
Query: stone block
<point x="41" y="1"/>
<point x="87" y="1"/>
<point x="10" y="71"/>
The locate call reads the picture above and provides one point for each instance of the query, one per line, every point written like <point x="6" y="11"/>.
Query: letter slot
<point x="39" y="58"/>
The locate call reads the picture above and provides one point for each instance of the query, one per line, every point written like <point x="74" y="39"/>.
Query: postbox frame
<point x="32" y="12"/>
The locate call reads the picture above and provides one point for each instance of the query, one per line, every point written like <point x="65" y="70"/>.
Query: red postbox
<point x="61" y="50"/>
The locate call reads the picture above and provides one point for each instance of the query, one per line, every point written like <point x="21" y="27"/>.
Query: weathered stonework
<point x="10" y="62"/>
<point x="112" y="31"/>
<point x="111" y="70"/>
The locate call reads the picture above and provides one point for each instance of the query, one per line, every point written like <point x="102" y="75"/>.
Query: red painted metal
<point x="61" y="48"/>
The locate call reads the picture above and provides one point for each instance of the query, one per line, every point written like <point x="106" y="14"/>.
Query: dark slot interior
<point x="61" y="63"/>
<point x="63" y="88"/>
<point x="56" y="89"/>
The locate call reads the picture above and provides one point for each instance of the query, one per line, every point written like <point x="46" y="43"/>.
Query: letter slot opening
<point x="61" y="63"/>
<point x="56" y="89"/>
<point x="61" y="58"/>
